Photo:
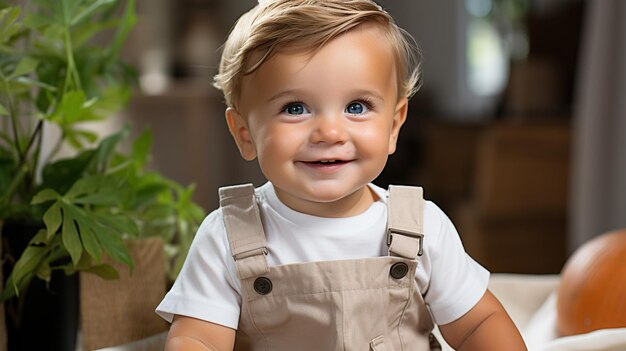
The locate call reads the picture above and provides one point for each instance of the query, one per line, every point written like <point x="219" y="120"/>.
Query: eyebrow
<point x="369" y="94"/>
<point x="359" y="93"/>
<point x="289" y="92"/>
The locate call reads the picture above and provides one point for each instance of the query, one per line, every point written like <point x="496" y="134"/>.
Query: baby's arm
<point x="485" y="327"/>
<point x="190" y="334"/>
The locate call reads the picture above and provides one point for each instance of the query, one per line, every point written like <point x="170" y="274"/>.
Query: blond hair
<point x="276" y="25"/>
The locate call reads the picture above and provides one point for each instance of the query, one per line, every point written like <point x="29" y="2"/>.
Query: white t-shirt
<point x="208" y="288"/>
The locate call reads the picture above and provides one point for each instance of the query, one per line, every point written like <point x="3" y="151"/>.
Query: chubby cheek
<point x="275" y="144"/>
<point x="374" y="142"/>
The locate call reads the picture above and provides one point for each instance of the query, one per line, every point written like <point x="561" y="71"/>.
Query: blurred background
<point x="518" y="133"/>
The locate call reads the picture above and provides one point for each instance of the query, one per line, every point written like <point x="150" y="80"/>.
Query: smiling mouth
<point x="329" y="162"/>
<point x="325" y="166"/>
<point x="326" y="162"/>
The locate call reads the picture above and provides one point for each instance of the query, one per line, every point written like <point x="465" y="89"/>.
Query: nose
<point x="330" y="129"/>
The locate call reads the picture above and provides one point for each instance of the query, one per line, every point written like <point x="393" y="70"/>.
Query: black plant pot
<point x="42" y="317"/>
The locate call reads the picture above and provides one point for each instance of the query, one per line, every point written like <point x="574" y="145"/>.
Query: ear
<point x="399" y="117"/>
<point x="241" y="133"/>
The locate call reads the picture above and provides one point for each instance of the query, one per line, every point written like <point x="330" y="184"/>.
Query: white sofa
<point x="530" y="300"/>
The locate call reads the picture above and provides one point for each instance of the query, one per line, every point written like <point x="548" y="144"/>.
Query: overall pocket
<point x="378" y="344"/>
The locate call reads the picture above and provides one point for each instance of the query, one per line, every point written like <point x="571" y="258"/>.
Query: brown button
<point x="262" y="285"/>
<point x="399" y="270"/>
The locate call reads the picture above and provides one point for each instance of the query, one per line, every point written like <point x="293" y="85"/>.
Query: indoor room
<point x="114" y="143"/>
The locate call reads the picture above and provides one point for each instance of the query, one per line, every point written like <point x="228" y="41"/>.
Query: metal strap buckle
<point x="254" y="252"/>
<point x="418" y="236"/>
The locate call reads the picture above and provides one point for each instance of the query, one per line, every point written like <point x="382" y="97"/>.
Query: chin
<point x="326" y="194"/>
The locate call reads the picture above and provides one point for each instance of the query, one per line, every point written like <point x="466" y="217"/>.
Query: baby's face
<point x="322" y="127"/>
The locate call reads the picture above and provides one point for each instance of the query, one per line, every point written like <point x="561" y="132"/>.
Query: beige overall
<point x="362" y="304"/>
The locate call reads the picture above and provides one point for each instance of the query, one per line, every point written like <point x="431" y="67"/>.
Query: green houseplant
<point x="60" y="67"/>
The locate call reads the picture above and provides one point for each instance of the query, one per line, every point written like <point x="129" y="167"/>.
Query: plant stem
<point x="35" y="155"/>
<point x="33" y="136"/>
<point x="12" y="111"/>
<point x="19" y="176"/>
<point x="23" y="169"/>
<point x="37" y="151"/>
<point x="72" y="72"/>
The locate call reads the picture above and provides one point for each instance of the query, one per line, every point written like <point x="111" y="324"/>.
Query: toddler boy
<point x="319" y="258"/>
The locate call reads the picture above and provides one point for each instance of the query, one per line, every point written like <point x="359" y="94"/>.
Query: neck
<point x="348" y="206"/>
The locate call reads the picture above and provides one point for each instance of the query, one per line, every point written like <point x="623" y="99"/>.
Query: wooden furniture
<point x="515" y="220"/>
<point x="191" y="140"/>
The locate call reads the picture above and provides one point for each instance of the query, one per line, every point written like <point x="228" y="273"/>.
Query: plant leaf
<point x="28" y="82"/>
<point x="37" y="20"/>
<point x="69" y="235"/>
<point x="141" y="148"/>
<point x="9" y="25"/>
<point x="121" y="224"/>
<point x="98" y="189"/>
<point x="53" y="219"/>
<point x="146" y="193"/>
<point x="44" y="195"/>
<point x="90" y="242"/>
<point x="68" y="9"/>
<point x="25" y="66"/>
<point x="82" y="33"/>
<point x="104" y="271"/>
<point x="79" y="139"/>
<point x="85" y="185"/>
<point x="72" y="106"/>
<point x="73" y="140"/>
<point x="90" y="10"/>
<point x="62" y="174"/>
<point x="97" y="235"/>
<point x="128" y="21"/>
<point x="40" y="237"/>
<point x="43" y="272"/>
<point x="112" y="99"/>
<point x="24" y="268"/>
<point x="114" y="246"/>
<point x="15" y="87"/>
<point x="3" y="110"/>
<point x="100" y="198"/>
<point x="107" y="146"/>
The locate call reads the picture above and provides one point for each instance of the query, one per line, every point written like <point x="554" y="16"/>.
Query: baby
<point x="319" y="258"/>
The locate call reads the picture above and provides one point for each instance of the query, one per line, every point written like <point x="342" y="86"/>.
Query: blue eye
<point x="356" y="108"/>
<point x="295" y="109"/>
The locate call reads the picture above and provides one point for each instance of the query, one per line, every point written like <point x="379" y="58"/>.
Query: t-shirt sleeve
<point x="457" y="282"/>
<point x="207" y="287"/>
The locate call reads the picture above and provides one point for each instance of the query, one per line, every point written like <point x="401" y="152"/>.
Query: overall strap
<point x="245" y="233"/>
<point x="405" y="207"/>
